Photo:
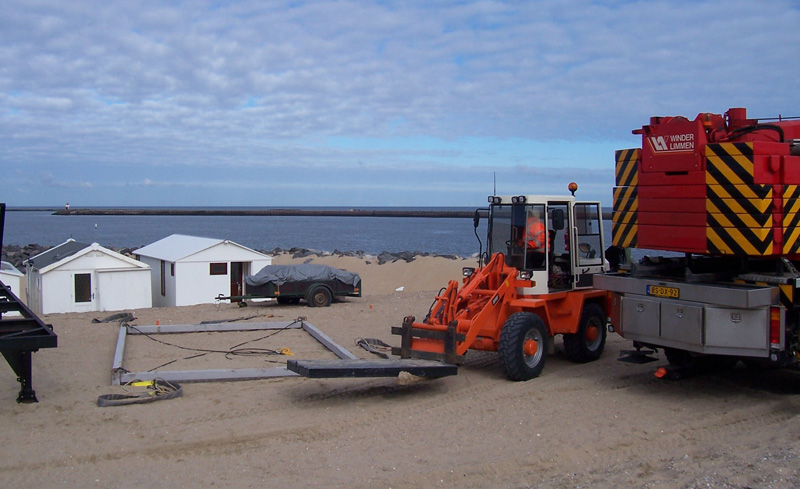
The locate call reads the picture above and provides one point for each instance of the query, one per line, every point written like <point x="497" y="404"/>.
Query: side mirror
<point x="558" y="219"/>
<point x="476" y="219"/>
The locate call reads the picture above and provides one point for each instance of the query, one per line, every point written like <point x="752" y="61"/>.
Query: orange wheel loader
<point x="534" y="282"/>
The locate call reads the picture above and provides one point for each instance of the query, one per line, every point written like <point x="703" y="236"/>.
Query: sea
<point x="372" y="235"/>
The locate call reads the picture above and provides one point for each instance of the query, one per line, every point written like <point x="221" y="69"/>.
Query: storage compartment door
<point x="640" y="318"/>
<point x="682" y="323"/>
<point x="744" y="330"/>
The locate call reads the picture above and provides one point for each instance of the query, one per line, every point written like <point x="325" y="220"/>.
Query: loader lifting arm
<point x="459" y="320"/>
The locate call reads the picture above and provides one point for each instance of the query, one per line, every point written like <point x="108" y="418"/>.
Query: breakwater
<point x="282" y="212"/>
<point x="270" y="212"/>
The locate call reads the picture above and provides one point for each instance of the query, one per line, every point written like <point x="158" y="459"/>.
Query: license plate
<point x="661" y="291"/>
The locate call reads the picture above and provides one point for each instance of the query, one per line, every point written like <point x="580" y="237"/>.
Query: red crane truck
<point x="721" y="195"/>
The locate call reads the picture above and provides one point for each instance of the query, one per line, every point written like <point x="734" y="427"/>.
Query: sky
<point x="364" y="103"/>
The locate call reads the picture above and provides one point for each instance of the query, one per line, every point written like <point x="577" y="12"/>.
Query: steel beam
<point x="119" y="375"/>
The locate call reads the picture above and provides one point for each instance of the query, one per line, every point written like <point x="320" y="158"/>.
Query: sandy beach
<point x="603" y="424"/>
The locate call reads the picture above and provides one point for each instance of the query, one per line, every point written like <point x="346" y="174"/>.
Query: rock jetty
<point x="381" y="258"/>
<point x="17" y="254"/>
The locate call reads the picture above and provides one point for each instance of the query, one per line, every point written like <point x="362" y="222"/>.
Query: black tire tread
<point x="511" y="342"/>
<point x="575" y="344"/>
<point x="319" y="290"/>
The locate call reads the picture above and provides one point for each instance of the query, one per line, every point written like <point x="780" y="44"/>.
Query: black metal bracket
<point x="450" y="337"/>
<point x="20" y="362"/>
<point x="21" y="335"/>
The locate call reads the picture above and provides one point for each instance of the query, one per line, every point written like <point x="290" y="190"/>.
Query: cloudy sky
<point x="360" y="103"/>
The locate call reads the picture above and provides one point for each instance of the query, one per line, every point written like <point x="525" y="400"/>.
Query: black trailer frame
<point x="317" y="293"/>
<point x="22" y="333"/>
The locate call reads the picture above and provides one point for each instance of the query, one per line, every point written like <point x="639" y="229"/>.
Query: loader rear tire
<point x="519" y="362"/>
<point x="586" y="345"/>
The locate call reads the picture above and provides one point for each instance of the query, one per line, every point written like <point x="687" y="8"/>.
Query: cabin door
<point x="237" y="278"/>
<point x="84" y="292"/>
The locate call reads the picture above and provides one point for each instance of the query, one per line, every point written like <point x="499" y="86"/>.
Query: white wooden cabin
<point x="188" y="270"/>
<point x="76" y="277"/>
<point x="12" y="278"/>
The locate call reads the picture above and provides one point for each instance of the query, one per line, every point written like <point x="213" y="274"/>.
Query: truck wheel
<point x="523" y="346"/>
<point x="706" y="363"/>
<point x="679" y="358"/>
<point x="587" y="344"/>
<point x="319" y="297"/>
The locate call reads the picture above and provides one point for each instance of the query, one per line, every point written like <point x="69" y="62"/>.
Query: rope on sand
<point x="120" y="317"/>
<point x="374" y="345"/>
<point x="157" y="390"/>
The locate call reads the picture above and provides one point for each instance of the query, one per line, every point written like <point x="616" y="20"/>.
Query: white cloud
<point x="227" y="88"/>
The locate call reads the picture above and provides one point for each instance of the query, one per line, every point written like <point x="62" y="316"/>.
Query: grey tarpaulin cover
<point x="280" y="274"/>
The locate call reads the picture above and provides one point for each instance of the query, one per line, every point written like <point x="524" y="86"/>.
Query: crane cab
<point x="554" y="241"/>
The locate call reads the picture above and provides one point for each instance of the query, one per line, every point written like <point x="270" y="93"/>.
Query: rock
<point x="304" y="254"/>
<point x="406" y="378"/>
<point x="386" y="257"/>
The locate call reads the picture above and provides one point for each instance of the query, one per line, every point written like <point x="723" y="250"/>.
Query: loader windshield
<point x="520" y="233"/>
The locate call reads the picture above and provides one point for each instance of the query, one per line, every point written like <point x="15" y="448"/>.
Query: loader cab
<point x="556" y="240"/>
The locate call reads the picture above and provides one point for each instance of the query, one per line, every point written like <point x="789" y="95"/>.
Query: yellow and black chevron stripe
<point x="791" y="219"/>
<point x="787" y="296"/>
<point x="730" y="162"/>
<point x="627" y="168"/>
<point x="624" y="220"/>
<point x="738" y="212"/>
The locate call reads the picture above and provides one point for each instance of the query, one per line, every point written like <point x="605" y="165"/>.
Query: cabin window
<point x="172" y="269"/>
<point x="83" y="287"/>
<point x="219" y="268"/>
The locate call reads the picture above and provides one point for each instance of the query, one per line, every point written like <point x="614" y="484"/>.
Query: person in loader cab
<point x="535" y="234"/>
<point x="535" y="241"/>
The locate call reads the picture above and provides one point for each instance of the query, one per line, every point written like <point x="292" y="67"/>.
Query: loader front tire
<point x="523" y="346"/>
<point x="587" y="344"/>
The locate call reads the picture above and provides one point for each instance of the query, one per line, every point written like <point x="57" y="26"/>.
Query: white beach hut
<point x="77" y="277"/>
<point x="188" y="270"/>
<point x="12" y="278"/>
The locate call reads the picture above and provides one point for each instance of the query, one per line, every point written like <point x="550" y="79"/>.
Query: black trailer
<point x="318" y="285"/>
